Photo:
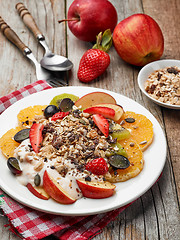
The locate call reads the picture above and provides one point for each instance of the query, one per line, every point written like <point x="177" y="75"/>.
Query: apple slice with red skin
<point x="55" y="190"/>
<point x="103" y="110"/>
<point x="38" y="191"/>
<point x="96" y="190"/>
<point x="117" y="108"/>
<point x="94" y="98"/>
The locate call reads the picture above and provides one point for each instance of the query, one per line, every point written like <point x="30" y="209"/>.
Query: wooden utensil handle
<point x="28" y="19"/>
<point x="11" y="35"/>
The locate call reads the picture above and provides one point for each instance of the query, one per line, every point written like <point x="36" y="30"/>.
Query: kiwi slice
<point x="117" y="149"/>
<point x="121" y="134"/>
<point x="117" y="131"/>
<point x="57" y="99"/>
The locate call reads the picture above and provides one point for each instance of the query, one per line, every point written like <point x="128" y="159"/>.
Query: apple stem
<point x="68" y="20"/>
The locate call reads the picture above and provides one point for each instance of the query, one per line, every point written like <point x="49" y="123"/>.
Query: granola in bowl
<point x="164" y="85"/>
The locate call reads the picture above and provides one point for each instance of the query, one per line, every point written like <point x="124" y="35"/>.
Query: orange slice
<point x="7" y="143"/>
<point x="141" y="130"/>
<point x="26" y="115"/>
<point x="135" y="156"/>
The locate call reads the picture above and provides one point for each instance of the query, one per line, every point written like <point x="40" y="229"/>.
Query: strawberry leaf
<point x="104" y="41"/>
<point x="107" y="40"/>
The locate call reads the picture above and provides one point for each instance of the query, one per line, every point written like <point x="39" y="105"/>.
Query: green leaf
<point x="104" y="41"/>
<point x="107" y="38"/>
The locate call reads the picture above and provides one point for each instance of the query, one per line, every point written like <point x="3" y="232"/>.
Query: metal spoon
<point x="50" y="60"/>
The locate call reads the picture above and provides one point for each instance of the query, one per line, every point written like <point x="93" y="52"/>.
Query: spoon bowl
<point x="55" y="62"/>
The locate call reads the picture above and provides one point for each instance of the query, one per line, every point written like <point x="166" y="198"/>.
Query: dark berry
<point x="50" y="110"/>
<point x="13" y="165"/>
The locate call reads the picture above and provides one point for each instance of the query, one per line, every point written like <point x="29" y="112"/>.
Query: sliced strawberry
<point x="102" y="123"/>
<point x="59" y="115"/>
<point x="104" y="111"/>
<point x="35" y="136"/>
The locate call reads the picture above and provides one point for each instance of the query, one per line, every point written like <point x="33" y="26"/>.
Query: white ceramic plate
<point x="126" y="192"/>
<point x="151" y="67"/>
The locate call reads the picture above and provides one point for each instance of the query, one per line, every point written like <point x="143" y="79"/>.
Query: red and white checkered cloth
<point x="31" y="224"/>
<point x="13" y="97"/>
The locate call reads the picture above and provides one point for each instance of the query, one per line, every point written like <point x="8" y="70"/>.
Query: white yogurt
<point x="28" y="160"/>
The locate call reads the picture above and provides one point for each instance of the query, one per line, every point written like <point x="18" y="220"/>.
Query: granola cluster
<point x="164" y="85"/>
<point x="75" y="138"/>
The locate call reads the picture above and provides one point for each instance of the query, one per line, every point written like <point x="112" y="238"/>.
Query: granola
<point x="164" y="85"/>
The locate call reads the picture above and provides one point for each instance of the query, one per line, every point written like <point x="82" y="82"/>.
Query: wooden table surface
<point x="155" y="215"/>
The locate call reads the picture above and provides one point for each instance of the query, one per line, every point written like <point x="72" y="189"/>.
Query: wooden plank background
<point x="156" y="214"/>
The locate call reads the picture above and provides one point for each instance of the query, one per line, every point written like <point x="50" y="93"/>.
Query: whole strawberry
<point x="95" y="61"/>
<point x="97" y="166"/>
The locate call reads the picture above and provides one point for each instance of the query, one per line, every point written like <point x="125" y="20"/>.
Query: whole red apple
<point x="88" y="18"/>
<point x="138" y="40"/>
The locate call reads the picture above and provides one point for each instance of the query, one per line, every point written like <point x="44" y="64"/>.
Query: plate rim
<point x="91" y="89"/>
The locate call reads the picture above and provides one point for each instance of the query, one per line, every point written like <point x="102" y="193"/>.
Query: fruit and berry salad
<point x="76" y="147"/>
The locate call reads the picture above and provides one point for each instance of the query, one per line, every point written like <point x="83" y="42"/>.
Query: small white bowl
<point x="151" y="67"/>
